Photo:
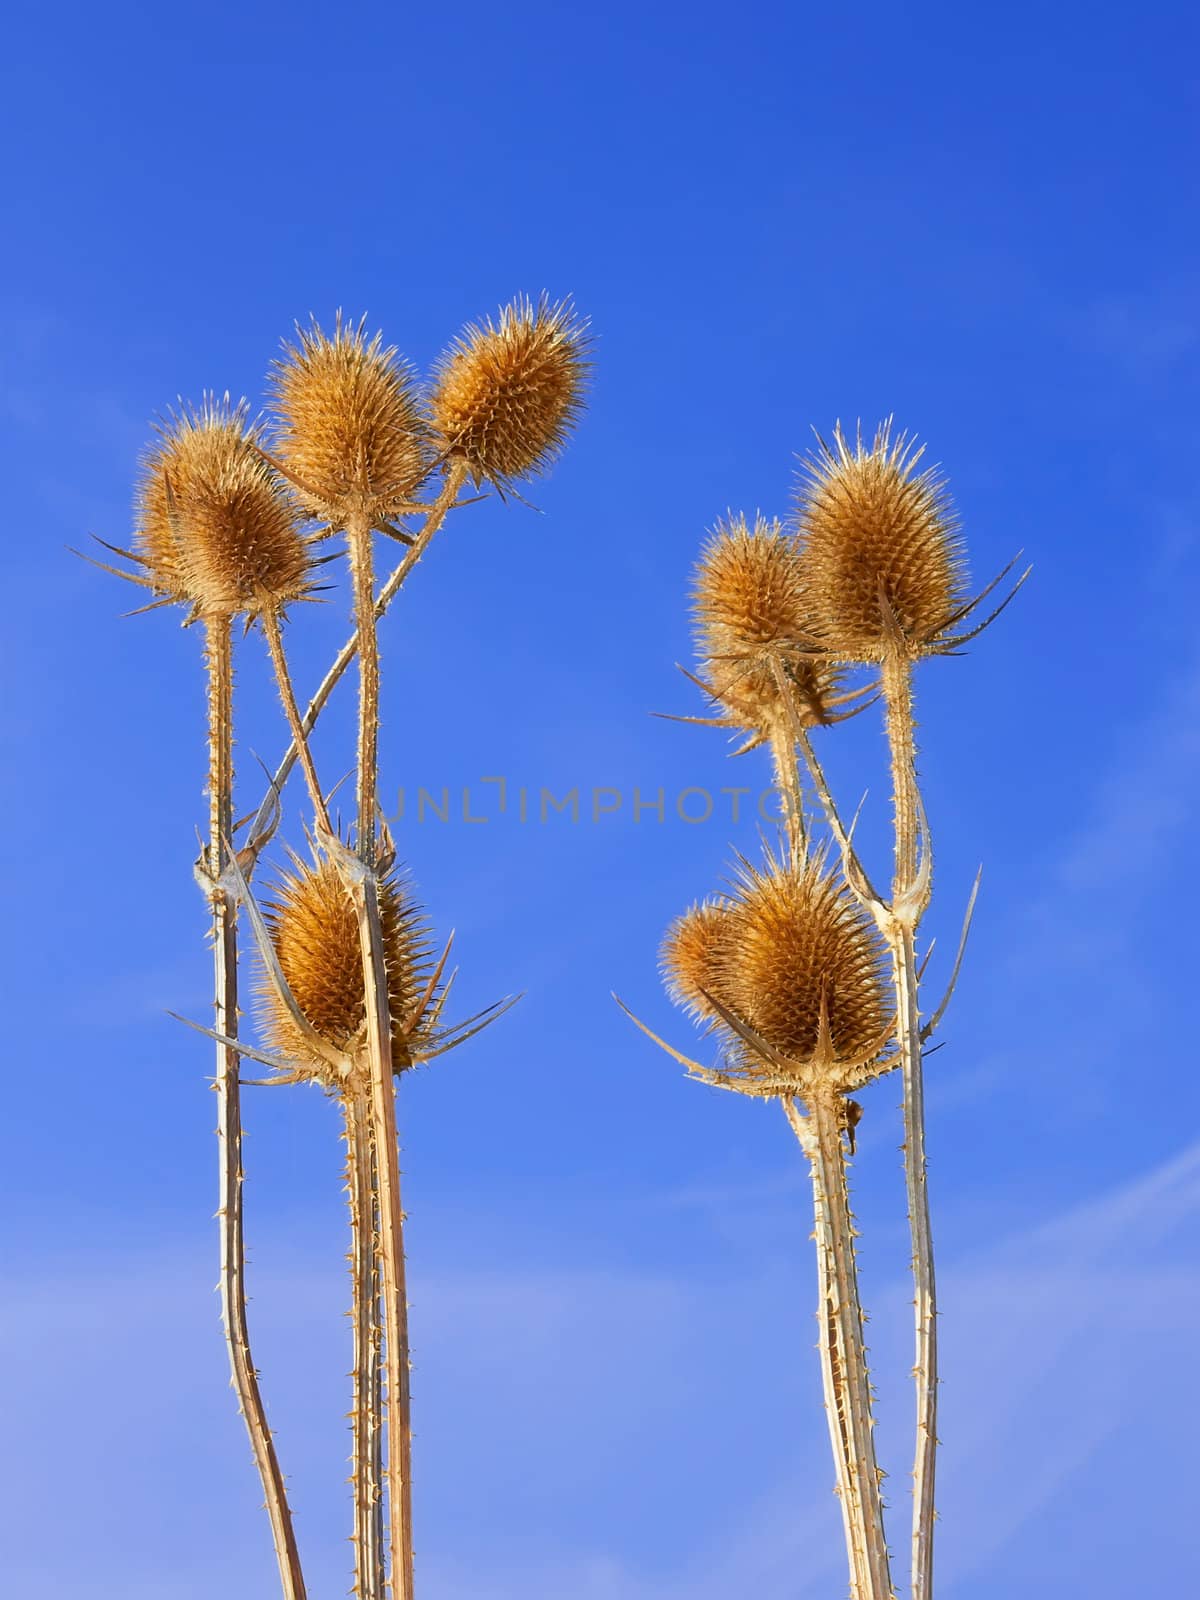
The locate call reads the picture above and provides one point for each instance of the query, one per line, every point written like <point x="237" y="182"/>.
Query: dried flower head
<point x="791" y="954"/>
<point x="314" y="929"/>
<point x="351" y="429"/>
<point x="217" y="529"/>
<point x="801" y="945"/>
<point x="752" y="608"/>
<point x="692" y="958"/>
<point x="507" y="393"/>
<point x="881" y="546"/>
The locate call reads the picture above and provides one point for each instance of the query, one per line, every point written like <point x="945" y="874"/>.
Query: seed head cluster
<point x="877" y="534"/>
<point x="752" y="607"/>
<point x="507" y="393"/>
<point x="216" y="528"/>
<point x="787" y="946"/>
<point x="350" y="423"/>
<point x="314" y="930"/>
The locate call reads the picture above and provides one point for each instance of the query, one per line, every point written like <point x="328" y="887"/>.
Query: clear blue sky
<point x="980" y="219"/>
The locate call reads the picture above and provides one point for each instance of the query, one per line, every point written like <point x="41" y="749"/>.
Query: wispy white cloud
<point x="608" y="1435"/>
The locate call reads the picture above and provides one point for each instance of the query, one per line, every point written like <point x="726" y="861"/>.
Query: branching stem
<point x="843" y="1351"/>
<point x="901" y="939"/>
<point x="379" y="1066"/>
<point x="366" y="1424"/>
<point x="287" y="694"/>
<point x="456" y="473"/>
<point x="229" y="1123"/>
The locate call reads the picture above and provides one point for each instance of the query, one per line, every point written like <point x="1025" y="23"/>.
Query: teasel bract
<point x="219" y="534"/>
<point x="884" y="569"/>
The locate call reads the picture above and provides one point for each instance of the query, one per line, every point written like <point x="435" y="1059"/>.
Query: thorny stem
<point x="855" y="1430"/>
<point x="229" y="1123"/>
<point x="456" y="474"/>
<point x="380" y="1076"/>
<point x="787" y="778"/>
<point x="901" y="939"/>
<point x="287" y="695"/>
<point x="365" y="1420"/>
<point x="832" y="1372"/>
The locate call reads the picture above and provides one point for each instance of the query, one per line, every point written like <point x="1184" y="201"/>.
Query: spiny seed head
<point x="873" y="526"/>
<point x="752" y="607"/>
<point x="507" y="393"/>
<point x="692" y="958"/>
<point x="216" y="528"/>
<point x="350" y="423"/>
<point x="314" y="929"/>
<point x="799" y="940"/>
<point x="786" y="946"/>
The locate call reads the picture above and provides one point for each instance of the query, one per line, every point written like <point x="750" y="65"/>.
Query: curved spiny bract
<point x="351" y="430"/>
<point x="791" y="957"/>
<point x="314" y="928"/>
<point x="752" y="609"/>
<point x="217" y="529"/>
<point x="507" y="394"/>
<point x="883" y="560"/>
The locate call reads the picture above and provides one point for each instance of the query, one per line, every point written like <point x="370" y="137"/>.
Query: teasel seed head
<point x="216" y="528"/>
<point x="507" y="393"/>
<point x="751" y="607"/>
<point x="351" y="428"/>
<point x="791" y="954"/>
<point x="314" y="929"/>
<point x="692" y="958"/>
<point x="800" y="943"/>
<point x="882" y="553"/>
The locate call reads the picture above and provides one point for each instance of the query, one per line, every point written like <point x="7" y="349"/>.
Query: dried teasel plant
<point x="219" y="534"/>
<point x="351" y="995"/>
<point x="884" y="565"/>
<point x="810" y="984"/>
<point x="525" y="396"/>
<point x="789" y="976"/>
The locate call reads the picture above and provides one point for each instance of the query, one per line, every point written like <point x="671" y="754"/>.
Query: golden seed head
<point x="751" y="607"/>
<point x="799" y="942"/>
<point x="507" y="393"/>
<point x="692" y="958"/>
<point x="872" y="526"/>
<point x="216" y="528"/>
<point x="314" y="929"/>
<point x="350" y="423"/>
<point x="785" y="946"/>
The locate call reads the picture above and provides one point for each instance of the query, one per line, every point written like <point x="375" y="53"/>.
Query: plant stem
<point x="832" y="1370"/>
<point x="219" y="661"/>
<point x="381" y="1076"/>
<point x="456" y="474"/>
<point x="901" y="939"/>
<point x="787" y="780"/>
<point x="365" y="1420"/>
<point x="287" y="695"/>
<point x="829" y="1164"/>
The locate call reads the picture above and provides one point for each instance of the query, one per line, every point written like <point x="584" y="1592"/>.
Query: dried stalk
<point x="380" y="1071"/>
<point x="244" y="1377"/>
<point x="287" y="695"/>
<point x="365" y="1420"/>
<point x="787" y="781"/>
<point x="900" y="932"/>
<point x="456" y="474"/>
<point x="843" y="1352"/>
<point x="832" y="1366"/>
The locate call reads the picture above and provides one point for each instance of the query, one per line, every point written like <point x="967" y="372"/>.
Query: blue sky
<point x="775" y="216"/>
